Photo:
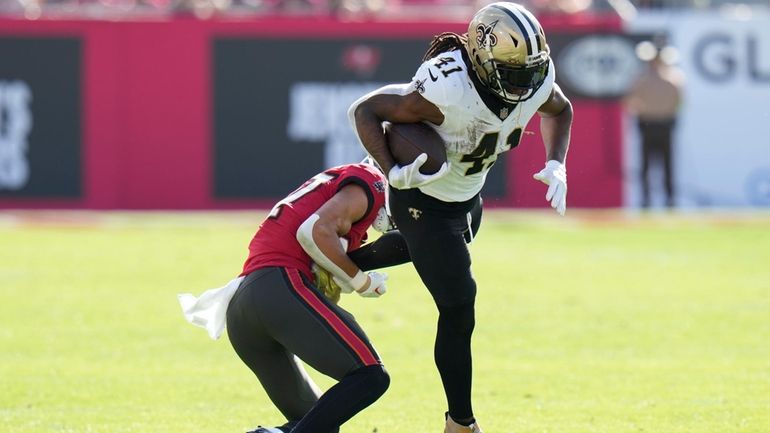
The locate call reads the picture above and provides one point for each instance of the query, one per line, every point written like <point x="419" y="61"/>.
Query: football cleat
<point x="286" y="428"/>
<point x="261" y="429"/>
<point x="454" y="427"/>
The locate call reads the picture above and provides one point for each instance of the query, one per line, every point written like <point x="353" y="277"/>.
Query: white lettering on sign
<point x="721" y="56"/>
<point x="15" y="126"/>
<point x="318" y="112"/>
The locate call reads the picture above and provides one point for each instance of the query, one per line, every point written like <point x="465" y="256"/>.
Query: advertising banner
<point x="40" y="118"/>
<point x="595" y="65"/>
<point x="721" y="145"/>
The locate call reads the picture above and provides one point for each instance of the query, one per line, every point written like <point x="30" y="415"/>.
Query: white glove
<point x="555" y="176"/>
<point x="409" y="176"/>
<point x="373" y="285"/>
<point x="376" y="287"/>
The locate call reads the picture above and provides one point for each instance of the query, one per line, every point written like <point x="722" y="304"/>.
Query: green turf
<point x="591" y="323"/>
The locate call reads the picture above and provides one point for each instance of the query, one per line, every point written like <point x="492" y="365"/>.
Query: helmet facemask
<point x="514" y="83"/>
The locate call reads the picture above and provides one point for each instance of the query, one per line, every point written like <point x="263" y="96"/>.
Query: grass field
<point x="599" y="322"/>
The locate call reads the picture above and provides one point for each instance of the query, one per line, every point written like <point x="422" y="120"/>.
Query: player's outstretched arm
<point x="555" y="125"/>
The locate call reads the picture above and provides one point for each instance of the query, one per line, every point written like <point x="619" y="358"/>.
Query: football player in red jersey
<point x="277" y="316"/>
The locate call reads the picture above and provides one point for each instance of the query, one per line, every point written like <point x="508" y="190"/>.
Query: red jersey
<point x="275" y="243"/>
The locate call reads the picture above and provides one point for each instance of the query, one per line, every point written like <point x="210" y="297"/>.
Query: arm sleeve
<point x="305" y="239"/>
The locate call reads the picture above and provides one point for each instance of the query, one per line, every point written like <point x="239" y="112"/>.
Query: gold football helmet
<point x="507" y="47"/>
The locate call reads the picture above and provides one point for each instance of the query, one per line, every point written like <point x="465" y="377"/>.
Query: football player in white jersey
<point x="478" y="90"/>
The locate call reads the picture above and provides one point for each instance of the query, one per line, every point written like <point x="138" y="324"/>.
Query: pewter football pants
<point x="275" y="314"/>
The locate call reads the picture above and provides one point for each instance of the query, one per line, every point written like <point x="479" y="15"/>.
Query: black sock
<point x="453" y="358"/>
<point x="341" y="402"/>
<point x="465" y="422"/>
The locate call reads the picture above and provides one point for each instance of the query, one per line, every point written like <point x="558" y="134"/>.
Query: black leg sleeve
<point x="453" y="357"/>
<point x="351" y="395"/>
<point x="388" y="250"/>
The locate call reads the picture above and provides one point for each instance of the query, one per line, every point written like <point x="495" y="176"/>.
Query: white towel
<point x="209" y="310"/>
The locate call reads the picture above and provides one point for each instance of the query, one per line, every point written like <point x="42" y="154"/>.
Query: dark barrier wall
<point x="40" y="117"/>
<point x="189" y="114"/>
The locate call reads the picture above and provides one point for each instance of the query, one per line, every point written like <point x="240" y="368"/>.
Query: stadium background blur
<point x="414" y="9"/>
<point x="198" y="104"/>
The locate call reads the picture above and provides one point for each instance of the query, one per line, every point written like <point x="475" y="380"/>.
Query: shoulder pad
<point x="441" y="80"/>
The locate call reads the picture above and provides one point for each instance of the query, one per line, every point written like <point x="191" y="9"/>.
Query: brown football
<point x="408" y="140"/>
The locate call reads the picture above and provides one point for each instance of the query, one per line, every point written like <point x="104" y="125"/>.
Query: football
<point x="407" y="141"/>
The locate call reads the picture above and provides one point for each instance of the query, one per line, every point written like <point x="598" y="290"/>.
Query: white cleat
<point x="453" y="427"/>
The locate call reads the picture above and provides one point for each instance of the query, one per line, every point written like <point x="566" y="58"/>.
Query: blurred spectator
<point x="562" y="6"/>
<point x="402" y="9"/>
<point x="548" y="6"/>
<point x="650" y="4"/>
<point x="694" y="4"/>
<point x="199" y="8"/>
<point x="654" y="99"/>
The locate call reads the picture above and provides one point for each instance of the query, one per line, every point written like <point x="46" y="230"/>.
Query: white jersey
<point x="473" y="134"/>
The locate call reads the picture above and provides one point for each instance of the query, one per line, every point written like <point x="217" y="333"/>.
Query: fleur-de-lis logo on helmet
<point x="484" y="35"/>
<point x="508" y="50"/>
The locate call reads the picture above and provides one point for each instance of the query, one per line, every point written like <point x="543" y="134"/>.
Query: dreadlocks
<point x="447" y="41"/>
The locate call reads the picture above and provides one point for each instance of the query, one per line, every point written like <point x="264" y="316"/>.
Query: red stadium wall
<point x="147" y="117"/>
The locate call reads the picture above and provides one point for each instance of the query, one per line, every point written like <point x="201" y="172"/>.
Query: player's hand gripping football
<point x="555" y="176"/>
<point x="409" y="176"/>
<point x="367" y="284"/>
